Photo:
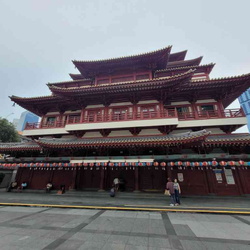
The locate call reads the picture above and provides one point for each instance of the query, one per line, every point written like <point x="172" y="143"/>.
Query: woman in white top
<point x="177" y="192"/>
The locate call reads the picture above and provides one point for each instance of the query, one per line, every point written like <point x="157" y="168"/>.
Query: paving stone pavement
<point x="62" y="228"/>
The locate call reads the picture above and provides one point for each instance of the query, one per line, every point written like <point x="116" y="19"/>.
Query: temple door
<point x="152" y="178"/>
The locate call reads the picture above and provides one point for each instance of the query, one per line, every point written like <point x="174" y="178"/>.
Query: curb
<point x="131" y="208"/>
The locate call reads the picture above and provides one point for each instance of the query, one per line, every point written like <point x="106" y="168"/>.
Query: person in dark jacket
<point x="170" y="188"/>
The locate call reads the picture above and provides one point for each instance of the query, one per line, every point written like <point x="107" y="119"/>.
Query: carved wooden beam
<point x="135" y="131"/>
<point x="78" y="134"/>
<point x="105" y="132"/>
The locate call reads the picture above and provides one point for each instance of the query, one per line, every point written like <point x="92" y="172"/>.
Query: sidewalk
<point x="127" y="201"/>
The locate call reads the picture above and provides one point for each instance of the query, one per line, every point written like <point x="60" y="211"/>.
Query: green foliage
<point x="8" y="132"/>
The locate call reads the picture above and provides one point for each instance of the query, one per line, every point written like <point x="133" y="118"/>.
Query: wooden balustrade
<point x="130" y="116"/>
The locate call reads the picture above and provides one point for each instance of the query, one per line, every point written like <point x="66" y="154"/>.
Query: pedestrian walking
<point x="170" y="188"/>
<point x="177" y="192"/>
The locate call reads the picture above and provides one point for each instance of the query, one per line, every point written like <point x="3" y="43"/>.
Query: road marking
<point x="187" y="207"/>
<point x="129" y="208"/>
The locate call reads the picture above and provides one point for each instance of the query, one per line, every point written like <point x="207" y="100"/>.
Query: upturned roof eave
<point x="180" y="55"/>
<point x="130" y="85"/>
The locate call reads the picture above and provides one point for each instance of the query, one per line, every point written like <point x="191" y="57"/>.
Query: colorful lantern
<point x="231" y="163"/>
<point x="54" y="164"/>
<point x="204" y="163"/>
<point x="178" y="163"/>
<point x="163" y="164"/>
<point x="126" y="164"/>
<point x="171" y="164"/>
<point x="196" y="164"/>
<point x="187" y="164"/>
<point x="85" y="164"/>
<point x="91" y="164"/>
<point x="140" y="164"/>
<point x="79" y="164"/>
<point x="111" y="164"/>
<point x="214" y="163"/>
<point x="66" y="164"/>
<point x="223" y="163"/>
<point x="156" y="163"/>
<point x="241" y="162"/>
<point x="148" y="164"/>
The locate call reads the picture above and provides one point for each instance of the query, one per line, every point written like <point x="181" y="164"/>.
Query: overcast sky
<point x="40" y="38"/>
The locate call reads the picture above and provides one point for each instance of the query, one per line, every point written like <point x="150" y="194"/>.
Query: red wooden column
<point x="102" y="179"/>
<point x="30" y="176"/>
<point x="220" y="109"/>
<point x="169" y="172"/>
<point x="136" y="179"/>
<point x="194" y="108"/>
<point x="73" y="183"/>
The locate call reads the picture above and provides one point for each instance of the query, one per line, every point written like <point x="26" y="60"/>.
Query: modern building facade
<point x="244" y="100"/>
<point x="140" y="118"/>
<point x="26" y="117"/>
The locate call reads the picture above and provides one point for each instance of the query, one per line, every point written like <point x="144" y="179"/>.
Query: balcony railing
<point x="211" y="114"/>
<point x="39" y="125"/>
<point x="130" y="116"/>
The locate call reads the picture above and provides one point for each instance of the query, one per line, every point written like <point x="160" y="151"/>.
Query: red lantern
<point x="187" y="164"/>
<point x="223" y="163"/>
<point x="54" y="164"/>
<point x="79" y="164"/>
<point x="98" y="164"/>
<point x="196" y="164"/>
<point x="204" y="163"/>
<point x="156" y="163"/>
<point x="66" y="164"/>
<point x="85" y="164"/>
<point x="241" y="162"/>
<point x="179" y="163"/>
<point x="163" y="164"/>
<point x="91" y="164"/>
<point x="59" y="164"/>
<point x="148" y="163"/>
<point x="214" y="163"/>
<point x="126" y="164"/>
<point x="171" y="164"/>
<point x="37" y="164"/>
<point x="140" y="164"/>
<point x="231" y="163"/>
<point x="111" y="164"/>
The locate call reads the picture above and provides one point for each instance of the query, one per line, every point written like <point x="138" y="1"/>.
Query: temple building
<point x="142" y="119"/>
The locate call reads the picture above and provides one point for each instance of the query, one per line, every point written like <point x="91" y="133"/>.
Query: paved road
<point x="128" y="200"/>
<point x="56" y="228"/>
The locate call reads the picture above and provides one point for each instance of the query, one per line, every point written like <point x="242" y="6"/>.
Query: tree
<point x="8" y="132"/>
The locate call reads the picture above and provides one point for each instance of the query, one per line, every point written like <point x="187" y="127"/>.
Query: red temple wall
<point x="193" y="181"/>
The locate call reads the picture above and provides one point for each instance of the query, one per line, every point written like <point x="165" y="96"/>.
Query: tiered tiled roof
<point x="156" y="83"/>
<point x="202" y="136"/>
<point x="157" y="59"/>
<point x="191" y="62"/>
<point x="232" y="139"/>
<point x="177" y="56"/>
<point x="198" y="68"/>
<point x="19" y="146"/>
<point x="151" y="141"/>
<point x="164" y="64"/>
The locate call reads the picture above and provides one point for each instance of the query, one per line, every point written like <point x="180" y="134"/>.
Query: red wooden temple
<point x="140" y="118"/>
